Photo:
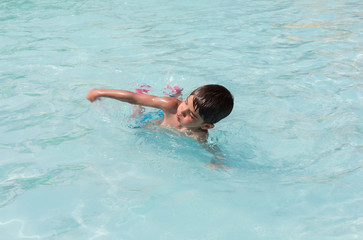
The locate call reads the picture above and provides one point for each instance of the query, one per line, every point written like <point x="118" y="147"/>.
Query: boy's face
<point x="189" y="117"/>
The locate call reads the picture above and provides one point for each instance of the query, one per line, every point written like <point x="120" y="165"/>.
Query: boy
<point x="204" y="107"/>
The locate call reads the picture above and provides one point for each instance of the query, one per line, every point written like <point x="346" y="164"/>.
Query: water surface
<point x="70" y="169"/>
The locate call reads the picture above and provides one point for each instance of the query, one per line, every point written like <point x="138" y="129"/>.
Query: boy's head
<point x="213" y="102"/>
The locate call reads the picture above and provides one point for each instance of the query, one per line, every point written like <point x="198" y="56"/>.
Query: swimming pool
<point x="74" y="170"/>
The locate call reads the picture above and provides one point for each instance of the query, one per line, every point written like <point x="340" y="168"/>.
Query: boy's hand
<point x="215" y="166"/>
<point x="93" y="95"/>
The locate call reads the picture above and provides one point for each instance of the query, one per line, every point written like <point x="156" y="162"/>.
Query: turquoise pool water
<point x="70" y="169"/>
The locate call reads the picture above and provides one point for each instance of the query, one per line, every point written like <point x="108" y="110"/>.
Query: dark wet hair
<point x="214" y="102"/>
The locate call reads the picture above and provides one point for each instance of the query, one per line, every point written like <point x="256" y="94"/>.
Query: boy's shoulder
<point x="168" y="104"/>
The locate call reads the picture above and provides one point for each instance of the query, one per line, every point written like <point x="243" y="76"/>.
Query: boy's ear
<point x="206" y="126"/>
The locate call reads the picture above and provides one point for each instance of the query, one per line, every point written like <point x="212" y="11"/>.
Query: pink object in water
<point x="174" y="90"/>
<point x="143" y="89"/>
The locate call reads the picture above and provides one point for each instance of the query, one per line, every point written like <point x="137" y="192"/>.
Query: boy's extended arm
<point x="132" y="98"/>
